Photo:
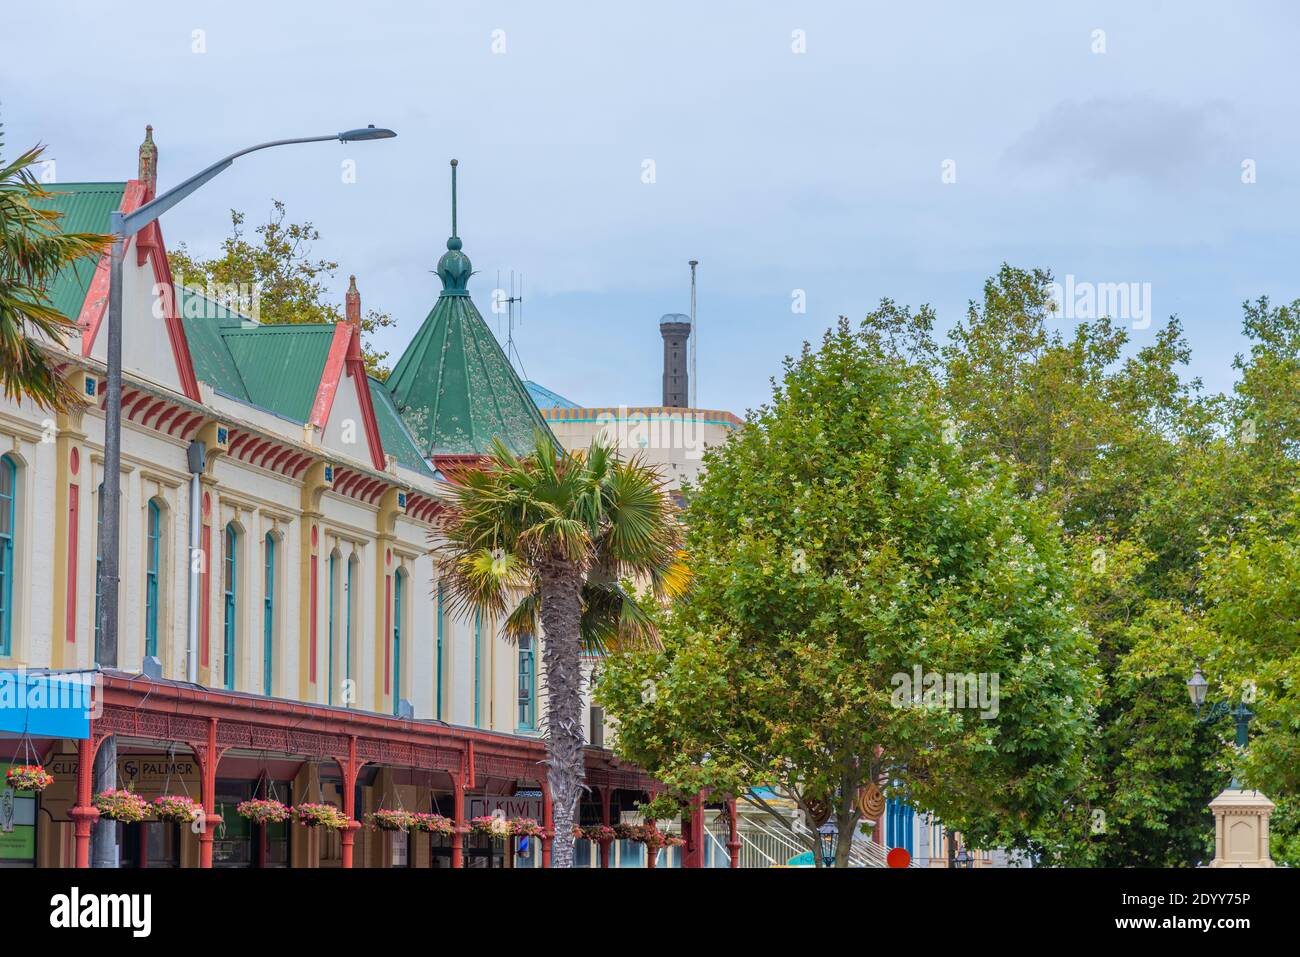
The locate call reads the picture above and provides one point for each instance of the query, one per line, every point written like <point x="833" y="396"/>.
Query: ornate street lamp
<point x="1197" y="688"/>
<point x="828" y="836"/>
<point x="965" y="859"/>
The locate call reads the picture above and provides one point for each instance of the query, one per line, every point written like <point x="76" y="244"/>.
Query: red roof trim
<point x="329" y="378"/>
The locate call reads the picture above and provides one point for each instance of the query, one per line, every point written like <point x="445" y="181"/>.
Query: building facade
<point x="282" y="629"/>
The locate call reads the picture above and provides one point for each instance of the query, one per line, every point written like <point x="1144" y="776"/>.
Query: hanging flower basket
<point x="497" y="828"/>
<point x="432" y="823"/>
<point x="320" y="815"/>
<point x="599" y="832"/>
<point x="176" y="809"/>
<point x="29" y="777"/>
<point x="654" y="839"/>
<point x="262" y="811"/>
<point x="390" y="820"/>
<point x="625" y="832"/>
<point x="121" y="805"/>
<point x="527" y="827"/>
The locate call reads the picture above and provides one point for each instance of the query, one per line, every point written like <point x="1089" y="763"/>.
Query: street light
<point x="1197" y="687"/>
<point x="122" y="226"/>
<point x="965" y="859"/>
<point x="828" y="836"/>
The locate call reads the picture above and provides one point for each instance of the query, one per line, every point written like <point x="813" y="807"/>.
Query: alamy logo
<point x="132" y="911"/>
<point x="1084" y="301"/>
<point x="946" y="690"/>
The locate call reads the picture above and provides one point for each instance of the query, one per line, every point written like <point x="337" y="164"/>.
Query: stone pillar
<point x="1241" y="829"/>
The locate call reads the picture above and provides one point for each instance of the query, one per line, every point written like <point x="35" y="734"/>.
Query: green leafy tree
<point x="838" y="543"/>
<point x="289" y="283"/>
<point x="547" y="540"/>
<point x="1145" y="472"/>
<point x="33" y="251"/>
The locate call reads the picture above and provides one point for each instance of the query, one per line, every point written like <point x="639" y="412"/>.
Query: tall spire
<point x="454" y="268"/>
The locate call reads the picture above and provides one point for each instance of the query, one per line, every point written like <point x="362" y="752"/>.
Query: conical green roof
<point x="453" y="386"/>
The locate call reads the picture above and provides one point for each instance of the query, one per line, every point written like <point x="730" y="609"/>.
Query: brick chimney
<point x="352" y="312"/>
<point x="148" y="173"/>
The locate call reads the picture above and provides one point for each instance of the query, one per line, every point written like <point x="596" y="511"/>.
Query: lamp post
<point x="122" y="226"/>
<point x="1197" y="688"/>
<point x="1241" y="817"/>
<point x="828" y="837"/>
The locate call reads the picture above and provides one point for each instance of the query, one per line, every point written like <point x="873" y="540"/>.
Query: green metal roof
<point x="398" y="441"/>
<point x="281" y="365"/>
<point x="86" y="208"/>
<point x="453" y="386"/>
<point x="204" y="321"/>
<point x="456" y="389"/>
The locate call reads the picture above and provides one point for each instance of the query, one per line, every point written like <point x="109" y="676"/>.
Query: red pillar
<point x="349" y="769"/>
<point x="605" y="795"/>
<point x="458" y="815"/>
<point x="694" y="849"/>
<point x="208" y="787"/>
<point x="548" y="822"/>
<point x="84" y="813"/>
<point x="733" y="838"/>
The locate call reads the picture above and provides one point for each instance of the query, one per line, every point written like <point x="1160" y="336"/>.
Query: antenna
<point x="695" y="337"/>
<point x="512" y="351"/>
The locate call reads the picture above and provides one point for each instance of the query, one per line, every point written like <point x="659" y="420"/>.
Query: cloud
<point x="1142" y="137"/>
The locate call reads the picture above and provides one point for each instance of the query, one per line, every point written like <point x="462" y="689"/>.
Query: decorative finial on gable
<point x="148" y="169"/>
<point x="454" y="268"/>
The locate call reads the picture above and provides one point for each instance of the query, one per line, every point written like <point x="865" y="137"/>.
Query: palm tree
<point x="32" y="252"/>
<point x="550" y="538"/>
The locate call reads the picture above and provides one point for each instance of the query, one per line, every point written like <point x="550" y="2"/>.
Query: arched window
<point x="8" y="521"/>
<point x="332" y="615"/>
<point x="438" y="663"/>
<point x="397" y="638"/>
<point x="478" y="654"/>
<point x="268" y="617"/>
<point x="350" y="612"/>
<point x="527" y="684"/>
<point x="230" y="591"/>
<point x="152" y="568"/>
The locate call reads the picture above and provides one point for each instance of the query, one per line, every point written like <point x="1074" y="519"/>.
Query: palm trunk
<point x="561" y="614"/>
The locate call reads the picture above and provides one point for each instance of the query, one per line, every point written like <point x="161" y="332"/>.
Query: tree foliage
<point x="33" y="251"/>
<point x="289" y="283"/>
<point x="839" y="541"/>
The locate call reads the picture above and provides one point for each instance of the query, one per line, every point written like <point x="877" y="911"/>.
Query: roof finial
<point x="454" y="164"/>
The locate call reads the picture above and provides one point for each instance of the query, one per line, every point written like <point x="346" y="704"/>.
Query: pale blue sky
<point x="779" y="171"/>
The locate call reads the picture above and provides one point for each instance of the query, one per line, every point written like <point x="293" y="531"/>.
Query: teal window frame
<point x="438" y="660"/>
<point x="478" y="654"/>
<point x="8" y="526"/>
<point x="332" y="613"/>
<point x="397" y="639"/>
<point x="347" y="625"/>
<point x="153" y="554"/>
<point x="230" y="595"/>
<point x="99" y="557"/>
<point x="527" y="684"/>
<point x="268" y="618"/>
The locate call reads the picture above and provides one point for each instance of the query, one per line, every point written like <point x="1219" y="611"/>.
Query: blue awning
<point x="46" y="704"/>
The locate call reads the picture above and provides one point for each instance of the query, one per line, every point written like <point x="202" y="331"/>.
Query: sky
<point x="814" y="157"/>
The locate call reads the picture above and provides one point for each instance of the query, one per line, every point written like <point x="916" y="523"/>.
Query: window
<point x="333" y="617"/>
<point x="397" y="639"/>
<point x="268" y="617"/>
<point x="347" y="644"/>
<point x="99" y="556"/>
<point x="230" y="589"/>
<point x="437" y="675"/>
<point x="153" y="550"/>
<point x="898" y="824"/>
<point x="527" y="684"/>
<point x="8" y="494"/>
<point x="478" y="653"/>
